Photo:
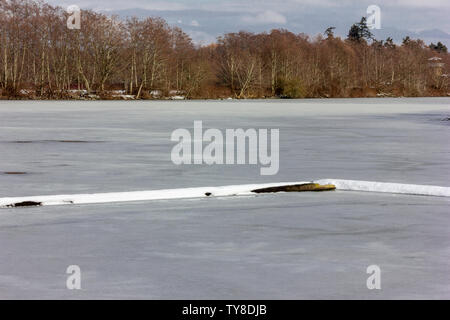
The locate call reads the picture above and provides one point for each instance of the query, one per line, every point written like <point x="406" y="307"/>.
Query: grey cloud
<point x="215" y="17"/>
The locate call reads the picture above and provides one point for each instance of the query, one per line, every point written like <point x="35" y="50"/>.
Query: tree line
<point x="41" y="58"/>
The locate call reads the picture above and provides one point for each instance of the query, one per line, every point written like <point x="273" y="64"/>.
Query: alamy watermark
<point x="236" y="146"/>
<point x="74" y="19"/>
<point x="373" y="17"/>
<point x="73" y="281"/>
<point x="374" y="280"/>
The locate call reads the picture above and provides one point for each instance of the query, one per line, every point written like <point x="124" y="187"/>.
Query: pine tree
<point x="389" y="43"/>
<point x="329" y="32"/>
<point x="439" y="47"/>
<point x="360" y="31"/>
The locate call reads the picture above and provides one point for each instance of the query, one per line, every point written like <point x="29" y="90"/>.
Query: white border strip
<point x="224" y="191"/>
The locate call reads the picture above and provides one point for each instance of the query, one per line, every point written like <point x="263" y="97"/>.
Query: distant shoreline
<point x="217" y="99"/>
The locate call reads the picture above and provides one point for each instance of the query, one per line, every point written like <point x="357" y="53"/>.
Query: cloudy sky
<point x="204" y="20"/>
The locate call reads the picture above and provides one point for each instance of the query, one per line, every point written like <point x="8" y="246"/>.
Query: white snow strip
<point x="184" y="193"/>
<point x="371" y="186"/>
<point x="223" y="191"/>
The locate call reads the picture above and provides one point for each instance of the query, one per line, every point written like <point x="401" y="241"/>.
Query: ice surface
<point x="302" y="245"/>
<point x="127" y="143"/>
<point x="292" y="246"/>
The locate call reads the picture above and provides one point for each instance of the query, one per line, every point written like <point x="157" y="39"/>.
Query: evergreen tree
<point x="439" y="47"/>
<point x="389" y="43"/>
<point x="329" y="32"/>
<point x="406" y="40"/>
<point x="360" y="31"/>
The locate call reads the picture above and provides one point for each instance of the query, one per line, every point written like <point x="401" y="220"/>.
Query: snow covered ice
<point x="290" y="245"/>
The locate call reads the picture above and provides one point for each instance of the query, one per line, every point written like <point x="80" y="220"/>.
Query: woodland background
<point x="109" y="57"/>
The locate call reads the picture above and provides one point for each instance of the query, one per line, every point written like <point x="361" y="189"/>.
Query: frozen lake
<point x="269" y="246"/>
